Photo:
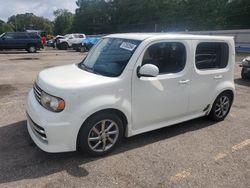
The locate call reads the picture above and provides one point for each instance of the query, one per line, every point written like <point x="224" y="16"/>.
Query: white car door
<point x="72" y="38"/>
<point x="162" y="99"/>
<point x="210" y="68"/>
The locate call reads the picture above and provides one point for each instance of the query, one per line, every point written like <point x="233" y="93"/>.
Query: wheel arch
<point x="231" y="91"/>
<point x="31" y="44"/>
<point x="107" y="110"/>
<point x="64" y="42"/>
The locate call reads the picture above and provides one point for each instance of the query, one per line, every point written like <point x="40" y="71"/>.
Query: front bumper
<point x="52" y="132"/>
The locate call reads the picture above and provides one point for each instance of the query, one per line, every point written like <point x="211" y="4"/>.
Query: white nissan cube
<point x="130" y="84"/>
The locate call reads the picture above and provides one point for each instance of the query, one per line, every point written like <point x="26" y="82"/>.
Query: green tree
<point x="63" y="21"/>
<point x="4" y="27"/>
<point x="109" y="16"/>
<point x="22" y="22"/>
<point x="93" y="16"/>
<point x="237" y="14"/>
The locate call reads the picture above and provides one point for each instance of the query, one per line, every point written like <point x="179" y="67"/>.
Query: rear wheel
<point x="221" y="107"/>
<point x="100" y="134"/>
<point x="83" y="49"/>
<point x="31" y="49"/>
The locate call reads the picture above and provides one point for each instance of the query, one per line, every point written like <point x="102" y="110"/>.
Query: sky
<point x="43" y="8"/>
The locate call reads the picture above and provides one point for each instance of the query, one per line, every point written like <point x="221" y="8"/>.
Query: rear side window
<point x="211" y="55"/>
<point x="33" y="35"/>
<point x="20" y="36"/>
<point x="169" y="57"/>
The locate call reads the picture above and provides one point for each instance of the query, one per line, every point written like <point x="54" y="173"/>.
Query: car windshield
<point x="1" y="34"/>
<point x="66" y="36"/>
<point x="110" y="56"/>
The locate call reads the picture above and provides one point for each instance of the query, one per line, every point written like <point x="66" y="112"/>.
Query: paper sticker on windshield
<point x="128" y="46"/>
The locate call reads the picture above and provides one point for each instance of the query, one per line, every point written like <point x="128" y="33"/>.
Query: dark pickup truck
<point x="31" y="42"/>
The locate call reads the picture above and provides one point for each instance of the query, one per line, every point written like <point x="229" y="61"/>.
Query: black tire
<point x="31" y="49"/>
<point x="87" y="131"/>
<point x="214" y="113"/>
<point x="243" y="74"/>
<point x="64" y="46"/>
<point x="83" y="49"/>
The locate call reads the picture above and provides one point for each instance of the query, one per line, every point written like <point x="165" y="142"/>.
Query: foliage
<point x="4" y="27"/>
<point x="237" y="14"/>
<point x="108" y="16"/>
<point x="22" y="22"/>
<point x="63" y="21"/>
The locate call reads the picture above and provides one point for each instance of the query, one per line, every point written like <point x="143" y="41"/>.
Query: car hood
<point x="247" y="58"/>
<point x="69" y="77"/>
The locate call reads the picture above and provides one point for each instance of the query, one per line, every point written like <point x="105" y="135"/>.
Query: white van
<point x="130" y="84"/>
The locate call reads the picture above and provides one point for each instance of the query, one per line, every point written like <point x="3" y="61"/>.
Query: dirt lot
<point x="198" y="153"/>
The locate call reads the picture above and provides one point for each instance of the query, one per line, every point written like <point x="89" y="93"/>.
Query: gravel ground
<point x="198" y="153"/>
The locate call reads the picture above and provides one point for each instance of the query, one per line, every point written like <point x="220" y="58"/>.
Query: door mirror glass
<point x="148" y="70"/>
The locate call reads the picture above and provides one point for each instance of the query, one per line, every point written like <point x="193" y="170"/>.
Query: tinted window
<point x="210" y="55"/>
<point x="33" y="35"/>
<point x="9" y="36"/>
<point x="20" y="36"/>
<point x="110" y="56"/>
<point x="169" y="57"/>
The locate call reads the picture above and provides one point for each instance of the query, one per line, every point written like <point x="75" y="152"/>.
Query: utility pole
<point x="15" y="24"/>
<point x="155" y="27"/>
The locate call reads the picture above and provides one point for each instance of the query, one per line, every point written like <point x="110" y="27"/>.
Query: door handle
<point x="184" y="81"/>
<point x="218" y="77"/>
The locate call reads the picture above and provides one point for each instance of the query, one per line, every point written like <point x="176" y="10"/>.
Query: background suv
<point x="31" y="42"/>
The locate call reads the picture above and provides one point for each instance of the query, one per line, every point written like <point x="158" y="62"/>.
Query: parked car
<point x="31" y="42"/>
<point x="51" y="43"/>
<point x="86" y="44"/>
<point x="56" y="39"/>
<point x="130" y="84"/>
<point x="67" y="41"/>
<point x="245" y="71"/>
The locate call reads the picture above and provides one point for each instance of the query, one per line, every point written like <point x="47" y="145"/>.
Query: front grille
<point x="37" y="92"/>
<point x="37" y="130"/>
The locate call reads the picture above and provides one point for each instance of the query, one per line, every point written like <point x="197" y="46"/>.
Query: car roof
<point x="144" y="36"/>
<point x="32" y="33"/>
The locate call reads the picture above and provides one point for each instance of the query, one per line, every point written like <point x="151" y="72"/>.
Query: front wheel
<point x="64" y="46"/>
<point x="221" y="107"/>
<point x="100" y="134"/>
<point x="244" y="73"/>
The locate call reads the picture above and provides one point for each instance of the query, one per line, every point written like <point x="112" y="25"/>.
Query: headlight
<point x="52" y="103"/>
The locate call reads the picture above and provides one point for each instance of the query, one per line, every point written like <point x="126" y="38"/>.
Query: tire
<point x="83" y="49"/>
<point x="100" y="134"/>
<point x="243" y="74"/>
<point x="31" y="49"/>
<point x="221" y="107"/>
<point x="64" y="46"/>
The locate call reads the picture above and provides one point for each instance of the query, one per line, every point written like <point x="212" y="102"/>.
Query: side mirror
<point x="147" y="70"/>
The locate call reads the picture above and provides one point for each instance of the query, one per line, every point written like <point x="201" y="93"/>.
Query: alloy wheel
<point x="103" y="135"/>
<point x="222" y="106"/>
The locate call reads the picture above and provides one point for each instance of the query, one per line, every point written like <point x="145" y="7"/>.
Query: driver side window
<point x="9" y="36"/>
<point x="169" y="57"/>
